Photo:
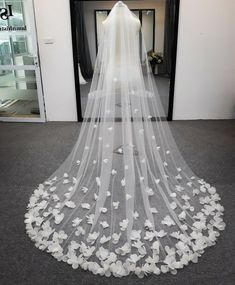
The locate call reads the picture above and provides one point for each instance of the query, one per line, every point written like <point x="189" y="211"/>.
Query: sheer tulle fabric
<point x="124" y="201"/>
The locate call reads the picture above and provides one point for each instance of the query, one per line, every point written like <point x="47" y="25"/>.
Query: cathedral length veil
<point x="124" y="201"/>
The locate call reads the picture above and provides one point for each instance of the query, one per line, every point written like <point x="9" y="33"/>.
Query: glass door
<point x="21" y="97"/>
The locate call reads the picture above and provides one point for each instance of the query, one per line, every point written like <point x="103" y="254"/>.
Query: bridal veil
<point x="124" y="201"/>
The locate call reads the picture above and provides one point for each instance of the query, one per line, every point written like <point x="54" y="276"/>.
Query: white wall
<point x="53" y="21"/>
<point x="205" y="73"/>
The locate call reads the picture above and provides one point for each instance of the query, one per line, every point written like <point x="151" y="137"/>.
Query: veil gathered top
<point x="124" y="201"/>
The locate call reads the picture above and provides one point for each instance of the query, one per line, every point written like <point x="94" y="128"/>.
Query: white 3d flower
<point x="86" y="206"/>
<point x="84" y="189"/>
<point x="52" y="189"/>
<point x="173" y="205"/>
<point x="157" y="181"/>
<point x="182" y="215"/>
<point x="116" y="237"/>
<point x="211" y="190"/>
<point x="70" y="204"/>
<point x="79" y="231"/>
<point x="103" y="210"/>
<point x="92" y="237"/>
<point x="104" y="224"/>
<point x="133" y="258"/>
<point x="135" y="215"/>
<point x="98" y="182"/>
<point x="148" y="225"/>
<point x="123" y="182"/>
<point x="115" y="205"/>
<point x="105" y="239"/>
<point x="124" y="224"/>
<point x="95" y="196"/>
<point x="168" y="221"/>
<point x="149" y="235"/>
<point x="59" y="218"/>
<point x="149" y="191"/>
<point x="102" y="253"/>
<point x="137" y="243"/>
<point x="128" y="197"/>
<point x="185" y="197"/>
<point x="120" y="150"/>
<point x="90" y="219"/>
<point x="76" y="222"/>
<point x="71" y="189"/>
<point x="156" y="246"/>
<point x="153" y="210"/>
<point x="196" y="192"/>
<point x="178" y="177"/>
<point x="124" y="249"/>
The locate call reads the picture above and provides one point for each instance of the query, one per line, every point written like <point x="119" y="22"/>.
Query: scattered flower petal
<point x="86" y="206"/>
<point x="115" y="205"/>
<point x="168" y="221"/>
<point x="70" y="204"/>
<point x="124" y="224"/>
<point x="104" y="224"/>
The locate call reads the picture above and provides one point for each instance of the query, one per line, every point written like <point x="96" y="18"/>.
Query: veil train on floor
<point x="124" y="201"/>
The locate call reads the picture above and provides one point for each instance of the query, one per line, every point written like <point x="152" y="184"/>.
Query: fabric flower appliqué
<point x="168" y="221"/>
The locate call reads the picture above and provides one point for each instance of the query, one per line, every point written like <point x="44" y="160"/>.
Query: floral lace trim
<point x="188" y="246"/>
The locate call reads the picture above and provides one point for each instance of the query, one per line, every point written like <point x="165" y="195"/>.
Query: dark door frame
<point x="75" y="61"/>
<point x="173" y="64"/>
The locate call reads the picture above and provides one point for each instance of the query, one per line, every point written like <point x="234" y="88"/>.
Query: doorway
<point x="159" y="21"/>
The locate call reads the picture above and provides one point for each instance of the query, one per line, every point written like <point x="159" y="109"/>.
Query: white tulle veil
<point x="124" y="201"/>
